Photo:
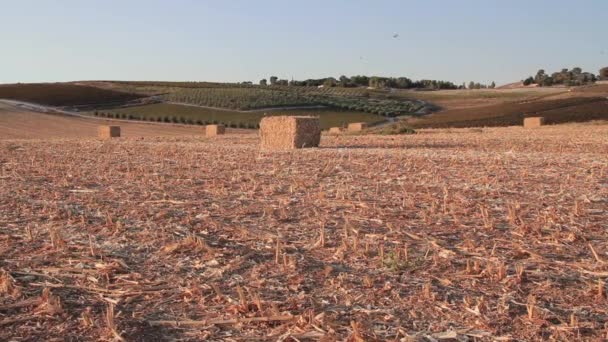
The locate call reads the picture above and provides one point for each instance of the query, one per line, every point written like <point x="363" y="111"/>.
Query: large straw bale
<point x="534" y="122"/>
<point x="357" y="126"/>
<point x="107" y="132"/>
<point x="335" y="130"/>
<point x="289" y="132"/>
<point x="213" y="130"/>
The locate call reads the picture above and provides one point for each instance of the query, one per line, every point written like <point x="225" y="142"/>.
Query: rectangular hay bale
<point x="357" y="126"/>
<point x="335" y="130"/>
<point x="534" y="122"/>
<point x="213" y="130"/>
<point x="107" y="132"/>
<point x="289" y="132"/>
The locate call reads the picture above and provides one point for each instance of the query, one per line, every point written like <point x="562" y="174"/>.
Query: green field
<point x="244" y="97"/>
<point x="197" y="115"/>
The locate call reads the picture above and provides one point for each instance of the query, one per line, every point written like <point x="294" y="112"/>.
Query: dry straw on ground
<point x="534" y="122"/>
<point x="357" y="126"/>
<point x="107" y="132"/>
<point x="289" y="132"/>
<point x="437" y="236"/>
<point x="213" y="130"/>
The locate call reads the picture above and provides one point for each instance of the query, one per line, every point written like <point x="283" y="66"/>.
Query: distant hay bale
<point x="289" y="132"/>
<point x="335" y="130"/>
<point x="534" y="122"/>
<point x="213" y="130"/>
<point x="107" y="132"/>
<point x="357" y="126"/>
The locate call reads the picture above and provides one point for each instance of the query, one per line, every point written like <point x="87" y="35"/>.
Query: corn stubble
<point x="437" y="236"/>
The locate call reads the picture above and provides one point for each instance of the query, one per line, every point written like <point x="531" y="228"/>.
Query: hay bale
<point x="213" y="130"/>
<point x="289" y="132"/>
<point x="108" y="132"/>
<point x="357" y="126"/>
<point x="335" y="130"/>
<point x="534" y="122"/>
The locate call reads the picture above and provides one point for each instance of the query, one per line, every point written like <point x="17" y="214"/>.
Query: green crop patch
<point x="197" y="115"/>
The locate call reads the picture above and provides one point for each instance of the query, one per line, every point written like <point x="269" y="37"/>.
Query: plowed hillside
<point x="63" y="94"/>
<point x="572" y="109"/>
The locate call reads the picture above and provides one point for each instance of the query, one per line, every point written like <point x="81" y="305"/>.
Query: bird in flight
<point x="396" y="35"/>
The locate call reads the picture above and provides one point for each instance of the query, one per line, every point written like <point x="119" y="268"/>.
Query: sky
<point x="244" y="40"/>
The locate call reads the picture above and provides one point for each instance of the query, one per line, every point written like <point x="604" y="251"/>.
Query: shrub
<point x="167" y="119"/>
<point x="174" y="119"/>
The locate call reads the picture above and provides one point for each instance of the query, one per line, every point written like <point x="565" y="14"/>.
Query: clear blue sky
<point x="225" y="40"/>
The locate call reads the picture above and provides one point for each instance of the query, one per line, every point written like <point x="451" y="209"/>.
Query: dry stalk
<point x="531" y="307"/>
<point x="57" y="240"/>
<point x="601" y="289"/>
<point x="277" y="252"/>
<point x="7" y="285"/>
<point x="501" y="271"/>
<point x="49" y="303"/>
<point x="29" y="233"/>
<point x="322" y="235"/>
<point x="520" y="272"/>
<point x="357" y="335"/>
<point x="487" y="220"/>
<point x="86" y="318"/>
<point x="595" y="255"/>
<point x="111" y="323"/>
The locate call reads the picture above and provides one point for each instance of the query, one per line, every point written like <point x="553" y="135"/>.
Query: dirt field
<point x="571" y="109"/>
<point x="460" y="99"/>
<point x="22" y="124"/>
<point x="63" y="94"/>
<point x="462" y="235"/>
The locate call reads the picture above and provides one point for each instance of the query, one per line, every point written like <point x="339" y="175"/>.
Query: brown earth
<point x="17" y="123"/>
<point x="63" y="94"/>
<point x="561" y="110"/>
<point x="483" y="234"/>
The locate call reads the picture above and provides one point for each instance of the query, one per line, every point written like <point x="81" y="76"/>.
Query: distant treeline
<point x="574" y="77"/>
<point x="360" y="81"/>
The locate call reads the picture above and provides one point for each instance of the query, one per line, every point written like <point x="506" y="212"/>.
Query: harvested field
<point x="475" y="234"/>
<point x="21" y="124"/>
